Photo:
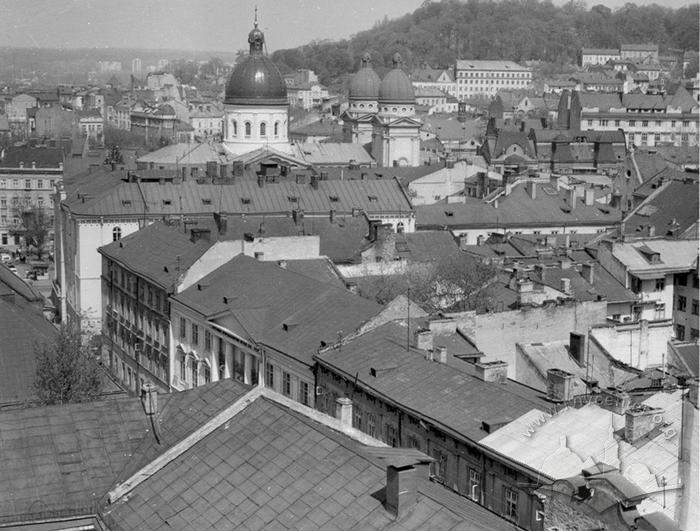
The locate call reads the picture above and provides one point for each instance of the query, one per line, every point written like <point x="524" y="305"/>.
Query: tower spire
<point x="255" y="22"/>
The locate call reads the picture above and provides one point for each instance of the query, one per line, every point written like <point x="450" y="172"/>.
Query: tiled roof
<point x="43" y="157"/>
<point x="22" y="328"/>
<point x="681" y="255"/>
<point x="62" y="459"/>
<point x="469" y="64"/>
<point x="549" y="208"/>
<point x="158" y="252"/>
<point x="322" y="153"/>
<point x="604" y="102"/>
<point x="289" y="312"/>
<point x="274" y="468"/>
<point x="114" y="198"/>
<point x="448" y="129"/>
<point x="671" y="210"/>
<point x="453" y="399"/>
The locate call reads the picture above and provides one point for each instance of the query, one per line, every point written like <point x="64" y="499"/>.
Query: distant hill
<point x="437" y="33"/>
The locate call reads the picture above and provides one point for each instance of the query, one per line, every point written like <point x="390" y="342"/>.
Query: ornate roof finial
<point x="255" y="22"/>
<point x="366" y="59"/>
<point x="256" y="39"/>
<point x="396" y="60"/>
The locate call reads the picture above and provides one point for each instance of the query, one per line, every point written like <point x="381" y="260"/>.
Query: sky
<point x="216" y="25"/>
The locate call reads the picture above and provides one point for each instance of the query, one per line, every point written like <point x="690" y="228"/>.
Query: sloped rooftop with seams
<point x="284" y="310"/>
<point x="276" y="468"/>
<point x="447" y="396"/>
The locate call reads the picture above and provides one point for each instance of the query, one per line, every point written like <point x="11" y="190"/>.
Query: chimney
<point x="554" y="181"/>
<point x="441" y="354"/>
<point x="640" y="420"/>
<point x="572" y="198"/>
<point x="532" y="189"/>
<point x="589" y="196"/>
<point x="565" y="286"/>
<point x="587" y="272"/>
<point x="577" y="346"/>
<point x="149" y="399"/>
<point x="343" y="411"/>
<point x="479" y="239"/>
<point x="423" y="339"/>
<point x="282" y="264"/>
<point x="221" y="223"/>
<point x="651" y="231"/>
<point x="401" y="489"/>
<point x="560" y="385"/>
<point x="314" y="182"/>
<point x="351" y="287"/>
<point x="492" y="371"/>
<point x="614" y="399"/>
<point x="539" y="272"/>
<point x="260" y="256"/>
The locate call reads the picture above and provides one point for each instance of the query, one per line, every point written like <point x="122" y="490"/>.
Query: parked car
<point x="5" y="258"/>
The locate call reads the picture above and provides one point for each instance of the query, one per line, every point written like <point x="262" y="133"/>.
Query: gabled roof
<point x="450" y="398"/>
<point x="275" y="466"/>
<point x="604" y="102"/>
<point x="674" y="256"/>
<point x="158" y="252"/>
<point x="43" y="157"/>
<point x="293" y="313"/>
<point x="65" y="458"/>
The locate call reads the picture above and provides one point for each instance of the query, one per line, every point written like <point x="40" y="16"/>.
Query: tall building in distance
<point x="485" y="78"/>
<point x="136" y="66"/>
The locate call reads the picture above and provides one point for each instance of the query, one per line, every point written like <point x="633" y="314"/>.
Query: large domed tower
<point x="396" y="130"/>
<point x="363" y="96"/>
<point x="256" y="110"/>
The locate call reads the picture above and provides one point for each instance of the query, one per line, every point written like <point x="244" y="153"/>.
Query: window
<point x="681" y="303"/>
<point x="183" y="328"/>
<point x="235" y="128"/>
<point x="660" y="284"/>
<point x="40" y="183"/>
<point x="304" y="389"/>
<point x="645" y="123"/>
<point x="633" y="123"/>
<point x="414" y="442"/>
<point x="371" y="425"/>
<point x="194" y="375"/>
<point x="510" y="504"/>
<point x="357" y="418"/>
<point x="195" y="334"/>
<point x="207" y="341"/>
<point x="183" y="365"/>
<point x="248" y="129"/>
<point x="27" y="183"/>
<point x="604" y="123"/>
<point x="694" y="307"/>
<point x="474" y="485"/>
<point x="206" y="373"/>
<point x="660" y="311"/>
<point x="277" y="129"/>
<point x="680" y="332"/>
<point x="437" y="467"/>
<point x="391" y="435"/>
<point x="116" y="234"/>
<point x="263" y="129"/>
<point x="682" y="279"/>
<point x="693" y="334"/>
<point x="269" y="375"/>
<point x="286" y="384"/>
<point x="617" y="123"/>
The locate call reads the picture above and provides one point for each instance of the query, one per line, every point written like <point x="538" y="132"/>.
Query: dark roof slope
<point x="284" y="310"/>
<point x="63" y="459"/>
<point x="448" y="397"/>
<point x="278" y="469"/>
<point x="159" y="252"/>
<point x="42" y="157"/>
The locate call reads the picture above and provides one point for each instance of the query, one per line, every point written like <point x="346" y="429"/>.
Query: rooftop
<point x="470" y="64"/>
<point x="45" y="158"/>
<point x="674" y="255"/>
<point x="451" y="398"/>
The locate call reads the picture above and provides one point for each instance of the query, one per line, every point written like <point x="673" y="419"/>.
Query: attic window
<point x="566" y="210"/>
<point x="292" y="198"/>
<point x="333" y="198"/>
<point x="372" y="198"/>
<point x="245" y="200"/>
<point x="167" y="202"/>
<point x="126" y="202"/>
<point x="449" y="213"/>
<point x="206" y="201"/>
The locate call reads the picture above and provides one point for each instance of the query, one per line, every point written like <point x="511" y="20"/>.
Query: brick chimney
<point x="423" y="339"/>
<point x="560" y="385"/>
<point x="587" y="272"/>
<point x="492" y="371"/>
<point x="343" y="410"/>
<point x="532" y="189"/>
<point x="572" y="198"/>
<point x="401" y="488"/>
<point x="441" y="354"/>
<point x="614" y="399"/>
<point x="641" y="420"/>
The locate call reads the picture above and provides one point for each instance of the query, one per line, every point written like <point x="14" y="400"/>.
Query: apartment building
<point x="485" y="78"/>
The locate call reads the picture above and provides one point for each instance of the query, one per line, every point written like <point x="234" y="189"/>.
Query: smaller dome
<point x="396" y="87"/>
<point x="365" y="83"/>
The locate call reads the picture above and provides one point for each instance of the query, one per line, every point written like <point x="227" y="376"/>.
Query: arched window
<point x="234" y="126"/>
<point x="400" y="227"/>
<point x="182" y="360"/>
<point x="263" y="130"/>
<point x="116" y="234"/>
<point x="247" y="129"/>
<point x="277" y="129"/>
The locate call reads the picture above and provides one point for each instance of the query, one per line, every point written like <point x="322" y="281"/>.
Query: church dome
<point x="365" y="83"/>
<point x="396" y="87"/>
<point x="256" y="80"/>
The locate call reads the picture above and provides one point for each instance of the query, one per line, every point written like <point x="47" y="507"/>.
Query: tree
<point x="454" y="283"/>
<point x="65" y="370"/>
<point x="35" y="226"/>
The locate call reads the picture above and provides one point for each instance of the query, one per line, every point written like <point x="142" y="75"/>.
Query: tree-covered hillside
<point x="437" y="33"/>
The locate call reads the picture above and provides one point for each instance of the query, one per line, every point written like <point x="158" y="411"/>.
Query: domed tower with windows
<point x="396" y="129"/>
<point x="256" y="110"/>
<point x="363" y="96"/>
